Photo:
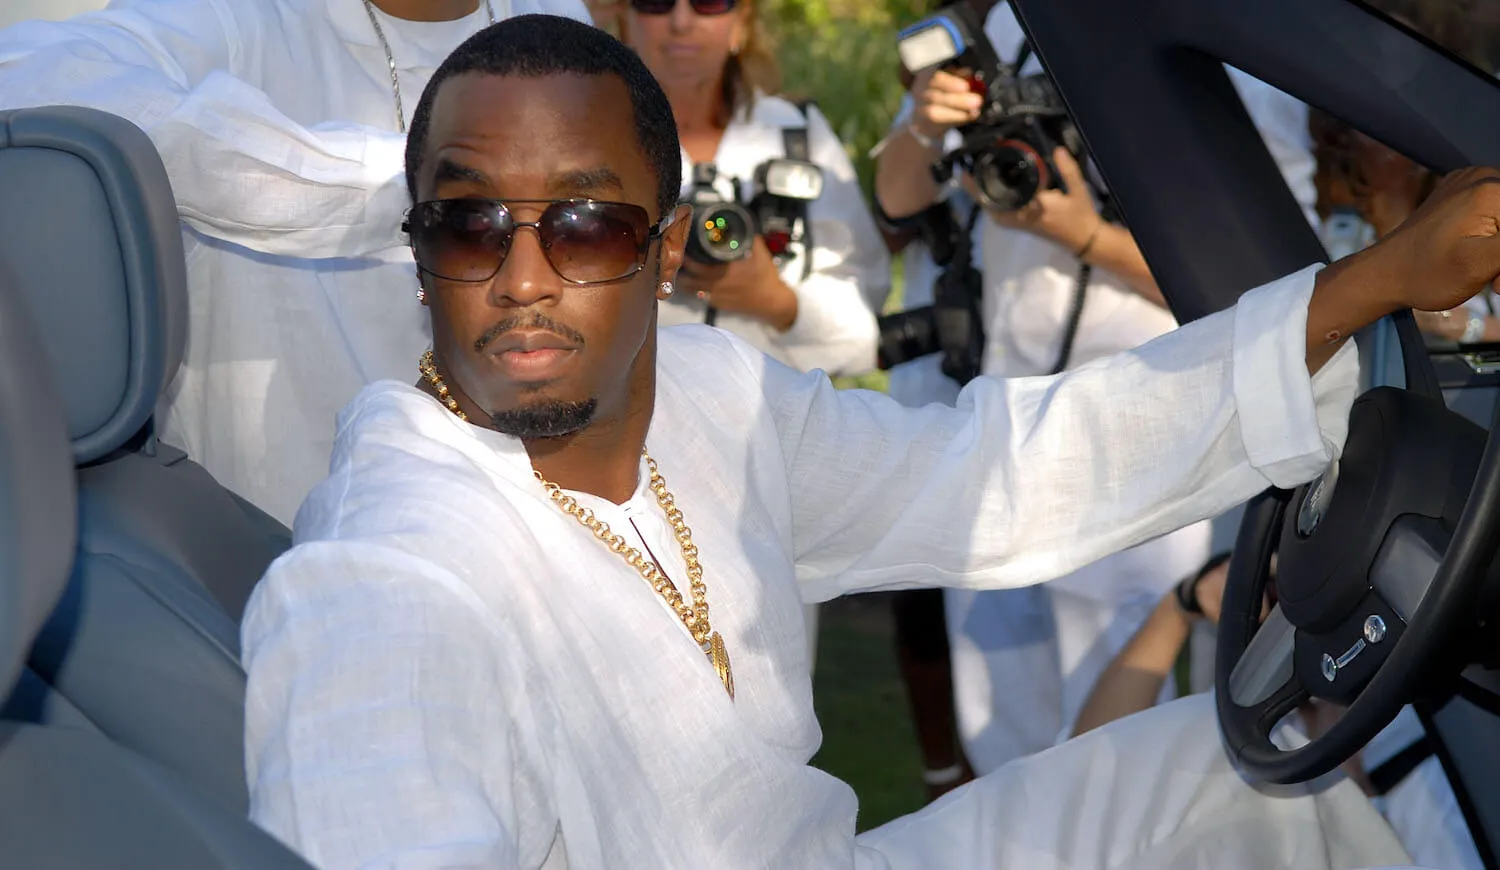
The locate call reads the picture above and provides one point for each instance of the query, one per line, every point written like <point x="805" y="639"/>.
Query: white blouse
<point x="850" y="274"/>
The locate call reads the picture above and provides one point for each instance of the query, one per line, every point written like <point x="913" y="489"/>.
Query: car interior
<point x="124" y="567"/>
<point x="1386" y="583"/>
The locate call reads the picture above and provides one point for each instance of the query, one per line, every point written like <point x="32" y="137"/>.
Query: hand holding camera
<point x="1065" y="215"/>
<point x="942" y="100"/>
<point x="735" y="252"/>
<point x="748" y="285"/>
<point x="1011" y="124"/>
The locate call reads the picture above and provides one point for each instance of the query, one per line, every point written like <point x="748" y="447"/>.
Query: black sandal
<point x="1187" y="590"/>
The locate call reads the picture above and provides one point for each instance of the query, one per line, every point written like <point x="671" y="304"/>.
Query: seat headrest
<point x="89" y="229"/>
<point x="38" y="512"/>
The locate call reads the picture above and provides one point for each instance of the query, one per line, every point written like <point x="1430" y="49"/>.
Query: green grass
<point x="869" y="740"/>
<point x="868" y="737"/>
<point x="842" y="53"/>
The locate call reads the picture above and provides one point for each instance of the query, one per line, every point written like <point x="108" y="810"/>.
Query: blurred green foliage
<point x="842" y="53"/>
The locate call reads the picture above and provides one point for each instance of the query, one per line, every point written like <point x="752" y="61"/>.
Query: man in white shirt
<point x="282" y="125"/>
<point x="492" y="645"/>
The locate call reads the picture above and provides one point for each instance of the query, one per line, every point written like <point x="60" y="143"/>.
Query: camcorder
<point x="1008" y="149"/>
<point x="725" y="229"/>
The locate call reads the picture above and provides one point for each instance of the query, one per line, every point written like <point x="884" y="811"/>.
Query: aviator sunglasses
<point x="662" y="7"/>
<point x="586" y="241"/>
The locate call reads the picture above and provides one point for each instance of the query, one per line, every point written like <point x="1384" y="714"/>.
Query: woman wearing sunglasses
<point x="817" y="308"/>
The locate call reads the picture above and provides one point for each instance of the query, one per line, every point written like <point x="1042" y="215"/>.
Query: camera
<point x="783" y="188"/>
<point x="1008" y="149"/>
<point x="953" y="324"/>
<point x="724" y="230"/>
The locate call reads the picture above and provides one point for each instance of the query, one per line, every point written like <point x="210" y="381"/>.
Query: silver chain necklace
<point x="390" y="59"/>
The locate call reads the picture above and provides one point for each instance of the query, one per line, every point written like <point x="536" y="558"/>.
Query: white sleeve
<point x="374" y="729"/>
<point x="241" y="170"/>
<point x="1031" y="478"/>
<point x="851" y="269"/>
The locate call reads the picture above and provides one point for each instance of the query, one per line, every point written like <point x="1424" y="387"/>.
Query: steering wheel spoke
<point x="1267" y="665"/>
<point x="1407" y="563"/>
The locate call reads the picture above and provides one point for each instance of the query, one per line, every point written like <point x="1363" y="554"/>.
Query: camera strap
<point x="794" y="143"/>
<point x="1075" y="317"/>
<point x="957" y="309"/>
<point x="794" y="140"/>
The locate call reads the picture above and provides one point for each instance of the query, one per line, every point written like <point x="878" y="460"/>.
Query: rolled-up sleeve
<point x="1292" y="425"/>
<point x="1030" y="478"/>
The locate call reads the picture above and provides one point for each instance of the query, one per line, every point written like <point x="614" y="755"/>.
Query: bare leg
<point x="922" y="651"/>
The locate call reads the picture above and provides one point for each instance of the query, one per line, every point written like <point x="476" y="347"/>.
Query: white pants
<point x="1025" y="660"/>
<point x="1154" y="791"/>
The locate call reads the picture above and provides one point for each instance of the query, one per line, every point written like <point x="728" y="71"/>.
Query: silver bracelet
<point x="912" y="131"/>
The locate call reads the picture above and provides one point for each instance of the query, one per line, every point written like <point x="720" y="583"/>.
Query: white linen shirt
<point x="849" y="277"/>
<point x="276" y="120"/>
<point x="447" y="671"/>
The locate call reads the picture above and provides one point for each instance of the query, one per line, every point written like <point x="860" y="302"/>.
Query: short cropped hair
<point x="531" y="46"/>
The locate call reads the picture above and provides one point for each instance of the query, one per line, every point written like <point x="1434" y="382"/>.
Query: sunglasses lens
<point x="461" y="239"/>
<point x="662" y="7"/>
<point x="592" y="242"/>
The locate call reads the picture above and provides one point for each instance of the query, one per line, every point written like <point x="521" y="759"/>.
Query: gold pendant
<point x="720" y="657"/>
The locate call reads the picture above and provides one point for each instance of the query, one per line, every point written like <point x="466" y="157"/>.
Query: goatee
<point x="549" y="420"/>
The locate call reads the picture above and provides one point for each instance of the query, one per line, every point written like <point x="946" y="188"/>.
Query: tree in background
<point x="842" y="53"/>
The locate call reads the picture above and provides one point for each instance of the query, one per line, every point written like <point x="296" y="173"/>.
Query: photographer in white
<point x="1062" y="285"/>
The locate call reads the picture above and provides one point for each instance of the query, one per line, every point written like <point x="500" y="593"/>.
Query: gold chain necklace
<point x="695" y="615"/>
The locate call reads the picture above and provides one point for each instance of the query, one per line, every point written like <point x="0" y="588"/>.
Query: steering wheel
<point x="1380" y="567"/>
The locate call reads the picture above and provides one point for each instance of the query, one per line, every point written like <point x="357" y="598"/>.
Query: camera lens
<point x="906" y="335"/>
<point x="1008" y="176"/>
<point x="722" y="233"/>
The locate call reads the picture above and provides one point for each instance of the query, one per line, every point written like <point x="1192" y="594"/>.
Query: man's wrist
<point x="1349" y="295"/>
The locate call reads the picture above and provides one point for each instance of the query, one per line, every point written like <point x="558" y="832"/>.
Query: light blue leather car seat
<point x="71" y="796"/>
<point x="144" y="642"/>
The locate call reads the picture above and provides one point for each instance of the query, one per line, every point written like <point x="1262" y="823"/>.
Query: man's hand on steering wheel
<point x="1382" y="563"/>
<point x="1443" y="254"/>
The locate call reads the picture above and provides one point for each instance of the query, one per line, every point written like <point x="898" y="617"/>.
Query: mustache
<point x="535" y="320"/>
